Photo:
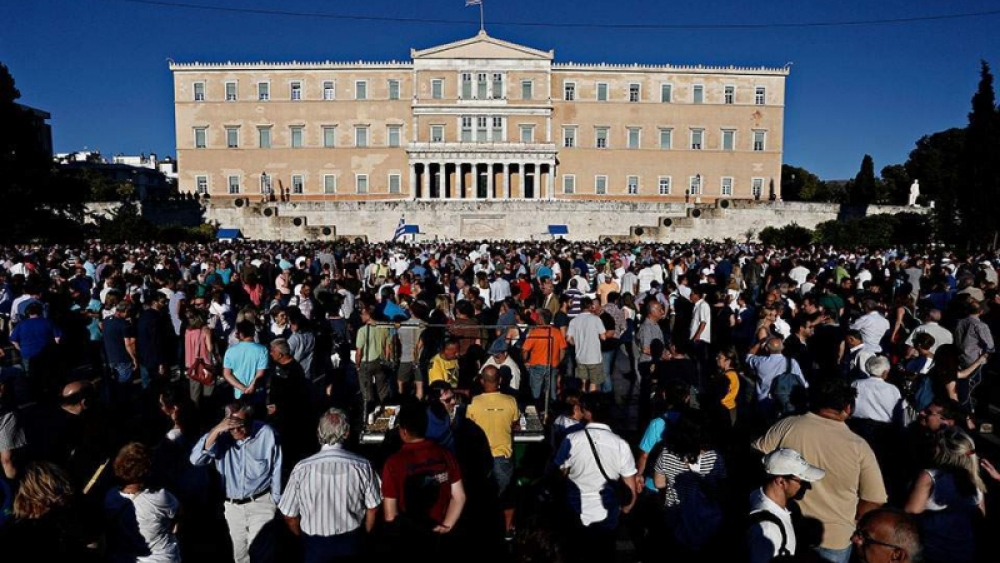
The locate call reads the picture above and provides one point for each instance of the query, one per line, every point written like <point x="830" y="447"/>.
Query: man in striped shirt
<point x="332" y="498"/>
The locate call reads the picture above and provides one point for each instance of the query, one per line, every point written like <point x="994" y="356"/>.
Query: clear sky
<point x="100" y="66"/>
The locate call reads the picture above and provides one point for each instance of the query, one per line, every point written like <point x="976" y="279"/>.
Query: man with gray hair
<point x="332" y="497"/>
<point x="878" y="400"/>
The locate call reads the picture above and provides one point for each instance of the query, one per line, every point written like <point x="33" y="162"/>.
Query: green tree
<point x="126" y="224"/>
<point x="799" y="184"/>
<point x="896" y="183"/>
<point x="789" y="236"/>
<point x="934" y="162"/>
<point x="864" y="189"/>
<point x="979" y="167"/>
<point x="35" y="200"/>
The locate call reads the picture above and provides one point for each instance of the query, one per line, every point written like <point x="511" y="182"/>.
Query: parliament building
<point x="478" y="119"/>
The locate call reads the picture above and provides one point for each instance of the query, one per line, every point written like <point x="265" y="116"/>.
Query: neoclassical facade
<point x="479" y="119"/>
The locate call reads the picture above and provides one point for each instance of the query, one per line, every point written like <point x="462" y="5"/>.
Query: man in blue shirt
<point x="35" y="338"/>
<point x="245" y="364"/>
<point x="247" y="455"/>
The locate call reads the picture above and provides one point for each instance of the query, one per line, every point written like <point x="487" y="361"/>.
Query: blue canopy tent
<point x="228" y="234"/>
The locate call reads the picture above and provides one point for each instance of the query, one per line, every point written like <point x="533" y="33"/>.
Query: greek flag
<point x="473" y="2"/>
<point x="401" y="227"/>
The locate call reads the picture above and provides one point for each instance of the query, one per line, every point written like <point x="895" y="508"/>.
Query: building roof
<point x="480" y="46"/>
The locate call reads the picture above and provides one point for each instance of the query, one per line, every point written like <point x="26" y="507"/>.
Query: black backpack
<point x="765" y="516"/>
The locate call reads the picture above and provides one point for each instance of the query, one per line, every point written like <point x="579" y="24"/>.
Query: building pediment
<point x="482" y="46"/>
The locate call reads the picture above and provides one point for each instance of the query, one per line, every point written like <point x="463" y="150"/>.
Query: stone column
<point x="506" y="180"/>
<point x="524" y="180"/>
<point x="550" y="181"/>
<point x="441" y="178"/>
<point x="413" y="180"/>
<point x="427" y="181"/>
<point x="489" y="180"/>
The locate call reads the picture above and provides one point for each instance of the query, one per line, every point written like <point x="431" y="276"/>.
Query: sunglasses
<point x="450" y="399"/>
<point x="867" y="540"/>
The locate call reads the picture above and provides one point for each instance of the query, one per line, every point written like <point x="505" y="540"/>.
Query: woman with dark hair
<point x="724" y="388"/>
<point x="141" y="521"/>
<point x="947" y="375"/>
<point x="198" y="345"/>
<point x="691" y="475"/>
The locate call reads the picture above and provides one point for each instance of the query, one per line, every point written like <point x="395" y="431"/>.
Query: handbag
<point x="201" y="371"/>
<point x="622" y="491"/>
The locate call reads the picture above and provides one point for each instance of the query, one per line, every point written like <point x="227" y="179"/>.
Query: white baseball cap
<point x="786" y="461"/>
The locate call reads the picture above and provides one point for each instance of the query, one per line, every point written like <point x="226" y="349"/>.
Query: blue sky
<point x="100" y="66"/>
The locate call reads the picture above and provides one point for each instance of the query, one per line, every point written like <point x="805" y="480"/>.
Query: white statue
<point x="914" y="193"/>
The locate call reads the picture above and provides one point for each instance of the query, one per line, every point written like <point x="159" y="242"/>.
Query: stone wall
<point x="522" y="220"/>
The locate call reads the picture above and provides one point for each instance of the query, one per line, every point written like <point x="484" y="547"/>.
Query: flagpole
<point x="482" y="24"/>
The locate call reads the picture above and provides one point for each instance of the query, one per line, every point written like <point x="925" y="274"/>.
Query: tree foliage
<point x="789" y="236"/>
<point x="979" y="168"/>
<point x="865" y="188"/>
<point x="799" y="184"/>
<point x="126" y="224"/>
<point x="35" y="199"/>
<point x="934" y="162"/>
<point x="876" y="231"/>
<point x="896" y="184"/>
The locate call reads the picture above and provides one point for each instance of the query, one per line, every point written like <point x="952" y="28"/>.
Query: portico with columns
<point x="484" y="175"/>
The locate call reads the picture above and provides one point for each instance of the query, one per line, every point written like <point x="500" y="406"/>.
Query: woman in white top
<point x="141" y="522"/>
<point x="948" y="500"/>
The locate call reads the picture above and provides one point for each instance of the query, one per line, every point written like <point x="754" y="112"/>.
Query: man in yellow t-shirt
<point x="444" y="366"/>
<point x="497" y="414"/>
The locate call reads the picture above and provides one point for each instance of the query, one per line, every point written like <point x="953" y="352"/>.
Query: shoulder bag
<point x="622" y="491"/>
<point x="200" y="371"/>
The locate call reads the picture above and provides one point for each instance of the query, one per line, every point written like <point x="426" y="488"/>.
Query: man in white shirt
<point x="878" y="400"/>
<point x="701" y="327"/>
<point x="646" y="276"/>
<point x="585" y="333"/>
<point x="799" y="272"/>
<point x="872" y="325"/>
<point x="332" y="498"/>
<point x="931" y="326"/>
<point x="788" y="478"/>
<point x="582" y="455"/>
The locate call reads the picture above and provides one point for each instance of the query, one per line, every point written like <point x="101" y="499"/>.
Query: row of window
<point x="394" y="183"/>
<point x="481" y="86"/>
<point x="296" y="133"/>
<point x="481" y="129"/>
<point x="633" y="138"/>
<point x="298" y="185"/>
<point x="634" y="93"/>
<point x="296" y="90"/>
<point x="664" y="185"/>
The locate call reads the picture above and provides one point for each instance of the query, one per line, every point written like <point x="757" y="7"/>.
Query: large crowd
<point x="744" y="403"/>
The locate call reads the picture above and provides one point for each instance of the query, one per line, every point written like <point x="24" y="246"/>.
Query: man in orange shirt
<point x="543" y="349"/>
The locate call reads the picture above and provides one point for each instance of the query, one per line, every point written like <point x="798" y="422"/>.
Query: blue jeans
<point x="538" y="376"/>
<point x="834" y="555"/>
<point x="145" y="376"/>
<point x="122" y="372"/>
<point x="503" y="471"/>
<point x="608" y="359"/>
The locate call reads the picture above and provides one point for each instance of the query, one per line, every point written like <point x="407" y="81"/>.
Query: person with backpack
<point x="779" y="379"/>
<point x="771" y="532"/>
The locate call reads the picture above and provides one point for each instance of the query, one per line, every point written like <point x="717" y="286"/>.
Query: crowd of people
<point x="207" y="402"/>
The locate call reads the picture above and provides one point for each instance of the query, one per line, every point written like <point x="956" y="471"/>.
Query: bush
<point x="876" y="231"/>
<point x="789" y="236"/>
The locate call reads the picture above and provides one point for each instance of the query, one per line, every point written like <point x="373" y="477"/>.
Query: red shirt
<point x="419" y="476"/>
